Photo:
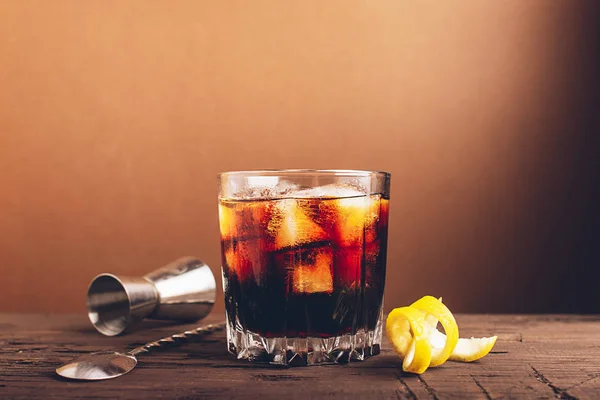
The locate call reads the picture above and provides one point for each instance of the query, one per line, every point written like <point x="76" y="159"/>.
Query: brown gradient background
<point x="116" y="116"/>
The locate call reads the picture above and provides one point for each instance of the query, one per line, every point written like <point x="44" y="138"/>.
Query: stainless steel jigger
<point x="183" y="290"/>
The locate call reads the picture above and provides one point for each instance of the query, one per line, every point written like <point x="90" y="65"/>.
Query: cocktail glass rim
<point x="332" y="172"/>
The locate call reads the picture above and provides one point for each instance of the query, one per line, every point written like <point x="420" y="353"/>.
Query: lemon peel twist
<point x="413" y="332"/>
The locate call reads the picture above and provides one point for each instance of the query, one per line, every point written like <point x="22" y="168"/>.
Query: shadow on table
<point x="214" y="354"/>
<point x="144" y="326"/>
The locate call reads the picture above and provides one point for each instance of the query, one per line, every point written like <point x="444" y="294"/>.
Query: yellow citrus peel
<point x="415" y="338"/>
<point x="407" y="326"/>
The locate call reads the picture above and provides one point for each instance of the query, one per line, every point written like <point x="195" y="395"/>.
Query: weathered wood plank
<point x="535" y="357"/>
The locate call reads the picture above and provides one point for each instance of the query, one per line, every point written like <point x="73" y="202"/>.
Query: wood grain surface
<point x="536" y="356"/>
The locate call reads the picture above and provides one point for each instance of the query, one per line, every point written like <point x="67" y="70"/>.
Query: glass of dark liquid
<point x="303" y="261"/>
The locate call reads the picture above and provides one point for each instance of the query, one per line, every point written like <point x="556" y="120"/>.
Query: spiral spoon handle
<point x="178" y="338"/>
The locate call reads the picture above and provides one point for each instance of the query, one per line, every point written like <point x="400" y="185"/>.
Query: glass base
<point x="290" y="351"/>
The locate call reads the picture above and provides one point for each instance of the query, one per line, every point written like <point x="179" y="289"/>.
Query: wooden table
<point x="535" y="357"/>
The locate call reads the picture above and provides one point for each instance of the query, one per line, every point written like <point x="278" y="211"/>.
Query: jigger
<point x="183" y="290"/>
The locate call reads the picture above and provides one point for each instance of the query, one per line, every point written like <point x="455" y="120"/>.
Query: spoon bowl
<point x="103" y="365"/>
<point x="98" y="366"/>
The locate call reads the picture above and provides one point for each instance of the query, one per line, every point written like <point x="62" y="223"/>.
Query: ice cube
<point x="227" y="225"/>
<point x="330" y="191"/>
<point x="229" y="261"/>
<point x="243" y="219"/>
<point x="245" y="260"/>
<point x="353" y="220"/>
<point x="291" y="225"/>
<point x="372" y="218"/>
<point x="265" y="187"/>
<point x="285" y="188"/>
<point x="313" y="272"/>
